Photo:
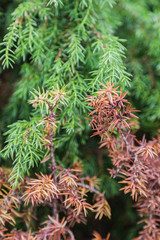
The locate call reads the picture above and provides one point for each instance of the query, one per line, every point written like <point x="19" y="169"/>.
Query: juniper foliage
<point x="140" y="26"/>
<point x="73" y="46"/>
<point x="60" y="43"/>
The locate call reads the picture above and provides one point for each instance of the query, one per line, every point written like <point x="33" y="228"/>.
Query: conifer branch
<point x="111" y="113"/>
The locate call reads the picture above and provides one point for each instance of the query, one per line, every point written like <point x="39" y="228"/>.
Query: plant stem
<point x="53" y="163"/>
<point x="91" y="189"/>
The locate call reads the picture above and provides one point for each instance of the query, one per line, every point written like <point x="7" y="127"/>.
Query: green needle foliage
<point x="71" y="47"/>
<point x="62" y="42"/>
<point x="24" y="145"/>
<point x="140" y="24"/>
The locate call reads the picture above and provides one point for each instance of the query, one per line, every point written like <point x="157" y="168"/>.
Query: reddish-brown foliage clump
<point x="137" y="162"/>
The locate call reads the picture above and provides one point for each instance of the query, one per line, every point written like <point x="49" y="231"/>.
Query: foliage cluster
<point x="137" y="162"/>
<point x="64" y="190"/>
<point x="61" y="51"/>
<point x="139" y="24"/>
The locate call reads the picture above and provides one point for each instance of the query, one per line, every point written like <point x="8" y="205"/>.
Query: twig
<point x="53" y="163"/>
<point x="91" y="189"/>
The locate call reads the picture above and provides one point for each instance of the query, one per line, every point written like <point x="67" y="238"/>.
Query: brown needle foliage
<point x="40" y="190"/>
<point x="19" y="235"/>
<point x="137" y="162"/>
<point x="55" y="229"/>
<point x="97" y="236"/>
<point x="102" y="208"/>
<point x="63" y="190"/>
<point x="8" y="203"/>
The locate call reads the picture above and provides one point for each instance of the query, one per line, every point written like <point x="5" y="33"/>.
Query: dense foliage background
<point x="78" y="44"/>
